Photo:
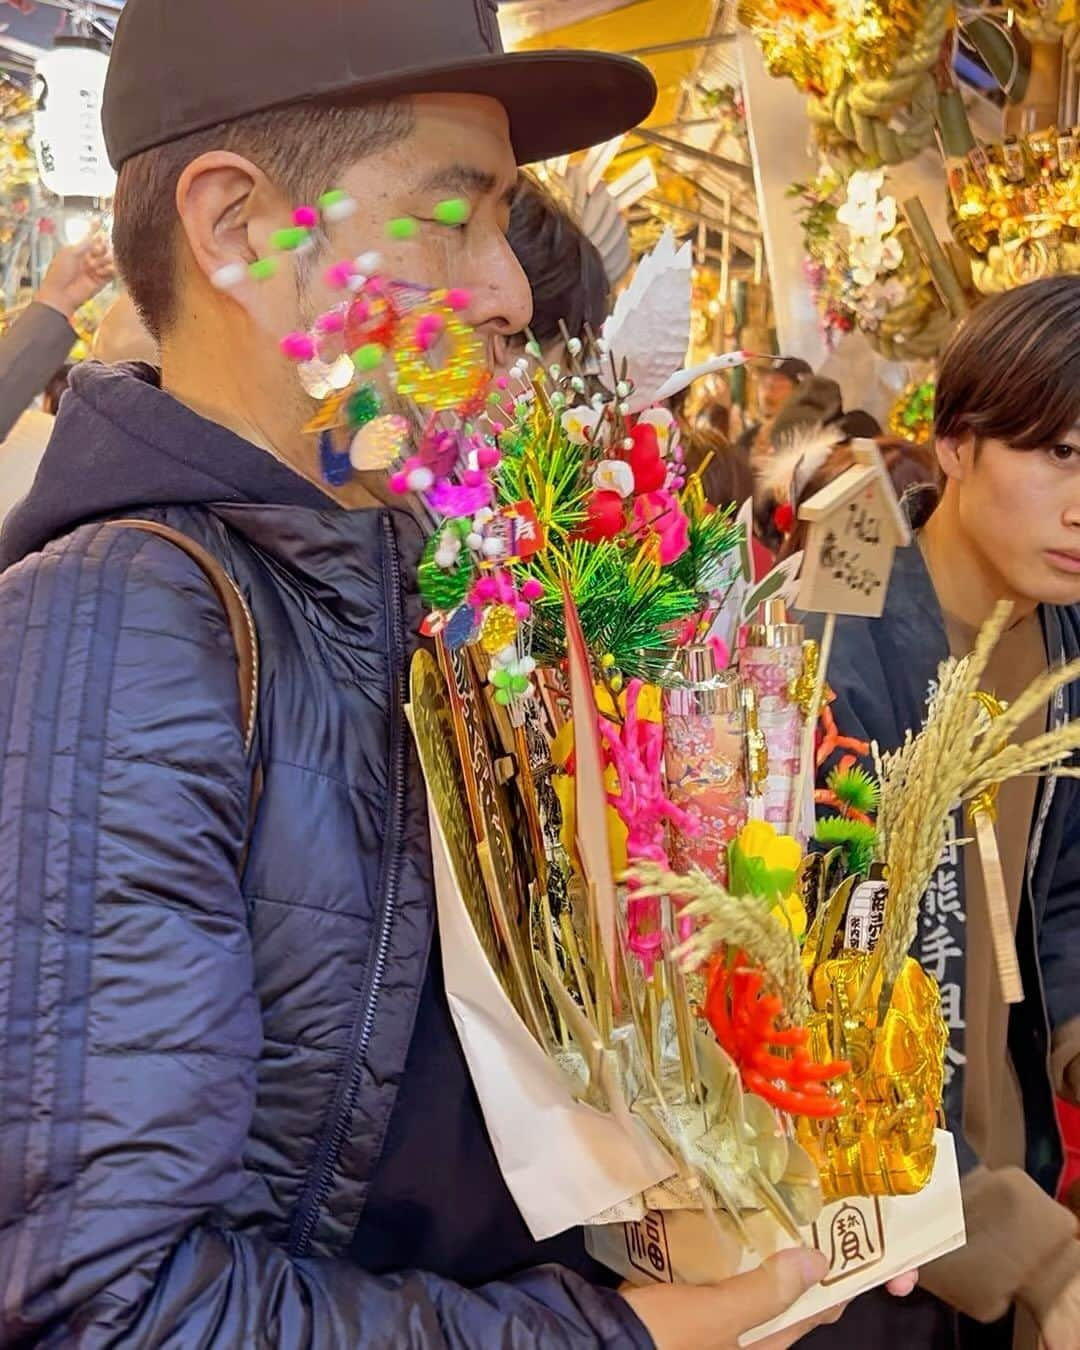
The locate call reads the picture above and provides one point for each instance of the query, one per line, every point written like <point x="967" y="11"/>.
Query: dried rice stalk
<point x="726" y="920"/>
<point x="960" y="753"/>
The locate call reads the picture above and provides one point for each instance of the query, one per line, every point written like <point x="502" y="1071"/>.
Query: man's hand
<point x="76" y="275"/>
<point x="685" y="1317"/>
<point x="1062" y="1328"/>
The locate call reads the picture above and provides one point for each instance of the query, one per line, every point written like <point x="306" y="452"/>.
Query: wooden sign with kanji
<point x="856" y="525"/>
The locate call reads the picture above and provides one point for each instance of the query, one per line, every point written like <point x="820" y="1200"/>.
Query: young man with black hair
<point x="1007" y="527"/>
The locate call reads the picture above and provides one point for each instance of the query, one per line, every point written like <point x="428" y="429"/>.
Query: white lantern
<point x="68" y="138"/>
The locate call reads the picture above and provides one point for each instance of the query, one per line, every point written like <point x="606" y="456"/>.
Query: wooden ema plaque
<point x="856" y="525"/>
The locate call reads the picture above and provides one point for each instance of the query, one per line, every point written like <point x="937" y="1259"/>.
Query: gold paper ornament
<point x="883" y="1143"/>
<point x="499" y="630"/>
<point x="461" y="375"/>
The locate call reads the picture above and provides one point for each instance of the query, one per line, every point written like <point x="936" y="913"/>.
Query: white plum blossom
<point x="579" y="422"/>
<point x="614" y="475"/>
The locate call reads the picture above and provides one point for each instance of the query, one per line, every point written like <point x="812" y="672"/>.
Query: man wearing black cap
<point x="233" y="1109"/>
<point x="776" y="385"/>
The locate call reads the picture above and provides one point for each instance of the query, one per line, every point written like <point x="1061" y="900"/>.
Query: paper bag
<point x="866" y="1241"/>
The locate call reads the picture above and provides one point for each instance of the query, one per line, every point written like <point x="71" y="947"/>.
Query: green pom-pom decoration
<point x="288" y="241"/>
<point x="262" y="269"/>
<point x="405" y="227"/>
<point x="444" y="588"/>
<point x="857" y="839"/>
<point x="332" y="198"/>
<point x="855" y="789"/>
<point x="503" y="697"/>
<point x="369" y="357"/>
<point x="454" y="211"/>
<point x="500" y="679"/>
<point x="363" y="407"/>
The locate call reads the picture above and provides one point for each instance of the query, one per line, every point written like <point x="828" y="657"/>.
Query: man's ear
<point x="955" y="455"/>
<point x="226" y="207"/>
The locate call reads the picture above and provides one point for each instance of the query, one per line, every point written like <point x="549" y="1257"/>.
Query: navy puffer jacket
<point x="204" y="1023"/>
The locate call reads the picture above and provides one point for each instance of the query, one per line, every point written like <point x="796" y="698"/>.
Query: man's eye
<point x="1064" y="454"/>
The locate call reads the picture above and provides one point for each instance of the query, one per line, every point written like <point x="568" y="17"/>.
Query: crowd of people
<point x="233" y="1107"/>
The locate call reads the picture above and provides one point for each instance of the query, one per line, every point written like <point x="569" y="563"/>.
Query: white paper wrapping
<point x="563" y="1161"/>
<point x="866" y="1241"/>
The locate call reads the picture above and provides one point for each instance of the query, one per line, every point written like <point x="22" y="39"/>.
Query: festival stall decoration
<point x="687" y="1029"/>
<point x="18" y="223"/>
<point x="868" y="70"/>
<point x="1015" y="208"/>
<point x="912" y="415"/>
<point x="876" y="266"/>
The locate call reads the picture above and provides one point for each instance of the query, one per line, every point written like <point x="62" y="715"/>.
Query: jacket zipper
<point x="319" y="1184"/>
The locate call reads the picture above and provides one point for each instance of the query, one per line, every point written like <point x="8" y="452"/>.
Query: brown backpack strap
<point x="245" y="638"/>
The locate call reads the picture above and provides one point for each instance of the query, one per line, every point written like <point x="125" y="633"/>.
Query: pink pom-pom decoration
<point x="502" y="382"/>
<point x="299" y="346"/>
<point x="399" y="483"/>
<point x="428" y="330"/>
<point x="306" y="217"/>
<point x="488" y="457"/>
<point x="472" y="478"/>
<point x="522" y="610"/>
<point x="532" y="589"/>
<point x="339" y="276"/>
<point x="333" y="321"/>
<point x="484" y="592"/>
<point x="458" y="300"/>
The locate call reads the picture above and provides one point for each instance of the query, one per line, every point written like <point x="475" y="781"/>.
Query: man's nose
<point x="501" y="299"/>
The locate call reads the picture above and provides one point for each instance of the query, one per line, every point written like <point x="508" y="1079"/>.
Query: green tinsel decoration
<point x="857" y="839"/>
<point x="626" y="602"/>
<point x="363" y="407"/>
<point x="543" y="466"/>
<point x="855" y="789"/>
<point x="444" y="588"/>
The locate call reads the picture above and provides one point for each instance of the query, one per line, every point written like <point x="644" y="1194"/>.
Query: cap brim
<point x="558" y="101"/>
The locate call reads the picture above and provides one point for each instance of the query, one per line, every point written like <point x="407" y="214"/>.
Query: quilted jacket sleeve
<point x="129" y="1026"/>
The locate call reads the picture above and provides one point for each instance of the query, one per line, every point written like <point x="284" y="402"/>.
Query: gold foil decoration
<point x="486" y="890"/>
<point x="883" y="1143"/>
<point x="757" y="750"/>
<point x="801" y="688"/>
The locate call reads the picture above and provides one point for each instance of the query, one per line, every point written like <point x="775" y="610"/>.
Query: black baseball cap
<point x="181" y="66"/>
<point x="792" y="368"/>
